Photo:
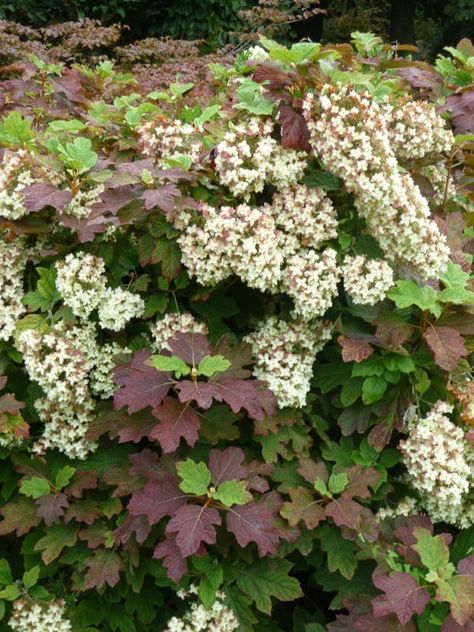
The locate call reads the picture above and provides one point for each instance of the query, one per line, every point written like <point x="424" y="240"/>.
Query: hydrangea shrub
<point x="236" y="329"/>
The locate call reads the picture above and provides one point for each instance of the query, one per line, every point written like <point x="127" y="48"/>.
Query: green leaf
<point x="212" y="364"/>
<point x="321" y="488"/>
<point x="170" y="363"/>
<point x="15" y="130"/>
<point x="456" y="283"/>
<point x="394" y="363"/>
<point x="5" y="572"/>
<point x="434" y="553"/>
<point x="195" y="477"/>
<point x="407" y="293"/>
<point x="178" y="89"/>
<point x="210" y="584"/>
<point x="251" y="99"/>
<point x="337" y="483"/>
<point x="373" y="389"/>
<point x="63" y="476"/>
<point x="57" y="537"/>
<point x="10" y="593"/>
<point x="369" y="367"/>
<point x="340" y="552"/>
<point x="266" y="579"/>
<point x="232" y="493"/>
<point x="78" y="155"/>
<point x="72" y="125"/>
<point x="45" y="296"/>
<point x="35" y="487"/>
<point x="317" y="178"/>
<point x="31" y="577"/>
<point x="207" y="114"/>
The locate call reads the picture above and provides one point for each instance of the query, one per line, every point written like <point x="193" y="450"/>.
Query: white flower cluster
<point x="219" y="618"/>
<point x="70" y="366"/>
<point x="81" y="204"/>
<point x="367" y="281"/>
<point x="14" y="177"/>
<point x="440" y="465"/>
<point x="82" y="283"/>
<point x="170" y="139"/>
<point x="33" y="616"/>
<point x="12" y="267"/>
<point x="407" y="506"/>
<point x="350" y="133"/>
<point x="417" y="131"/>
<point x="171" y="324"/>
<point x="442" y="182"/>
<point x="248" y="158"/>
<point x="284" y="356"/>
<point x="268" y="247"/>
<point x="117" y="307"/>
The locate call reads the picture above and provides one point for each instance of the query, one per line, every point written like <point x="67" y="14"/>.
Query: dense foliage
<point x="236" y="332"/>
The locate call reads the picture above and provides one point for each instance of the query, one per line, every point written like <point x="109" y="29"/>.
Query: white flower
<point x="366" y="280"/>
<point x="118" y="307"/>
<point x="218" y="618"/>
<point x="81" y="281"/>
<point x="35" y="616"/>
<point x="171" y="324"/>
<point x="12" y="267"/>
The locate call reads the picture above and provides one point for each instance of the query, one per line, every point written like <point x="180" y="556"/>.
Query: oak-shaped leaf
<point x="294" y="130"/>
<point x="140" y="385"/>
<point x="173" y="561"/>
<point x="133" y="525"/>
<point x="403" y="596"/>
<point x="311" y="470"/>
<point x="86" y="510"/>
<point x="273" y="77"/>
<point x="447" y="346"/>
<point x="341" y="553"/>
<point x="81" y="481"/>
<point x="158" y="498"/>
<point x="303" y="507"/>
<point x="177" y="421"/>
<point x="51" y="507"/>
<point x="20" y="516"/>
<point x="103" y="569"/>
<point x="95" y="535"/>
<point x="359" y="480"/>
<point x="57" y="537"/>
<point x="190" y="347"/>
<point x="163" y="197"/>
<point x="41" y="194"/>
<point x="193" y="525"/>
<point x="227" y="465"/>
<point x="254" y="523"/>
<point x="371" y="623"/>
<point x="458" y="591"/>
<point x="344" y="511"/>
<point x="355" y="348"/>
<point x="451" y="625"/>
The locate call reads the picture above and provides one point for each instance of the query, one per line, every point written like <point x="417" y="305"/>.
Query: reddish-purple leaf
<point x="146" y="463"/>
<point x="226" y="465"/>
<point x="355" y="348"/>
<point x="9" y="404"/>
<point x="294" y="131"/>
<point x="176" y="420"/>
<point x="451" y="625"/>
<point x="103" y="569"/>
<point x="86" y="510"/>
<point x="389" y="623"/>
<point x="303" y="507"/>
<point x="466" y="566"/>
<point x="311" y="470"/>
<point x="458" y="591"/>
<point x="19" y="516"/>
<point x="164" y="198"/>
<point x="345" y="512"/>
<point x="359" y="480"/>
<point x="133" y="525"/>
<point x="70" y="85"/>
<point x="194" y="524"/>
<point x="190" y="347"/>
<point x="140" y="385"/>
<point x="420" y="76"/>
<point x="95" y="534"/>
<point x="82" y="480"/>
<point x="112" y="200"/>
<point x="447" y="346"/>
<point x="254" y="523"/>
<point x="272" y="76"/>
<point x="173" y="561"/>
<point x="255" y="472"/>
<point x="403" y="596"/>
<point x="392" y="330"/>
<point x="134" y="427"/>
<point x="41" y="194"/>
<point x="51" y="507"/>
<point x="404" y="533"/>
<point x="157" y="499"/>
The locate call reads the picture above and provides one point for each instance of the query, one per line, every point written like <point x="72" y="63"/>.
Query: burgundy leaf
<point x="51" y="507"/>
<point x="133" y="428"/>
<point x="421" y="76"/>
<point x="294" y="131"/>
<point x="447" y="346"/>
<point x="403" y="596"/>
<point x="164" y="198"/>
<point x="355" y="348"/>
<point x="311" y="470"/>
<point x="9" y="404"/>
<point x="82" y="480"/>
<point x="41" y="194"/>
<point x="190" y="347"/>
<point x="466" y="566"/>
<point x="303" y="507"/>
<point x="173" y="561"/>
<point x="86" y="510"/>
<point x="19" y="516"/>
<point x="140" y="385"/>
<point x="451" y="625"/>
<point x="133" y="525"/>
<point x="112" y="200"/>
<point x="194" y="524"/>
<point x="389" y="623"/>
<point x="226" y="465"/>
<point x="344" y="511"/>
<point x="95" y="534"/>
<point x="176" y="420"/>
<point x="239" y="356"/>
<point x="254" y="523"/>
<point x="157" y="499"/>
<point x="359" y="480"/>
<point x="272" y="76"/>
<point x="404" y="527"/>
<point x="70" y="85"/>
<point x="392" y="330"/>
<point x="255" y="471"/>
<point x="146" y="463"/>
<point x="103" y="569"/>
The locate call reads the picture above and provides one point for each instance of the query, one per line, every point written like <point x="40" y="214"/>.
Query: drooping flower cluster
<point x="417" y="131"/>
<point x="170" y="325"/>
<point x="248" y="158"/>
<point x="70" y="366"/>
<point x="350" y="132"/>
<point x="12" y="266"/>
<point x="170" y="139"/>
<point x="440" y="466"/>
<point x="268" y="247"/>
<point x="34" y="616"/>
<point x="14" y="177"/>
<point x="219" y="618"/>
<point x="367" y="281"/>
<point x="82" y="202"/>
<point x="284" y="356"/>
<point x="82" y="283"/>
